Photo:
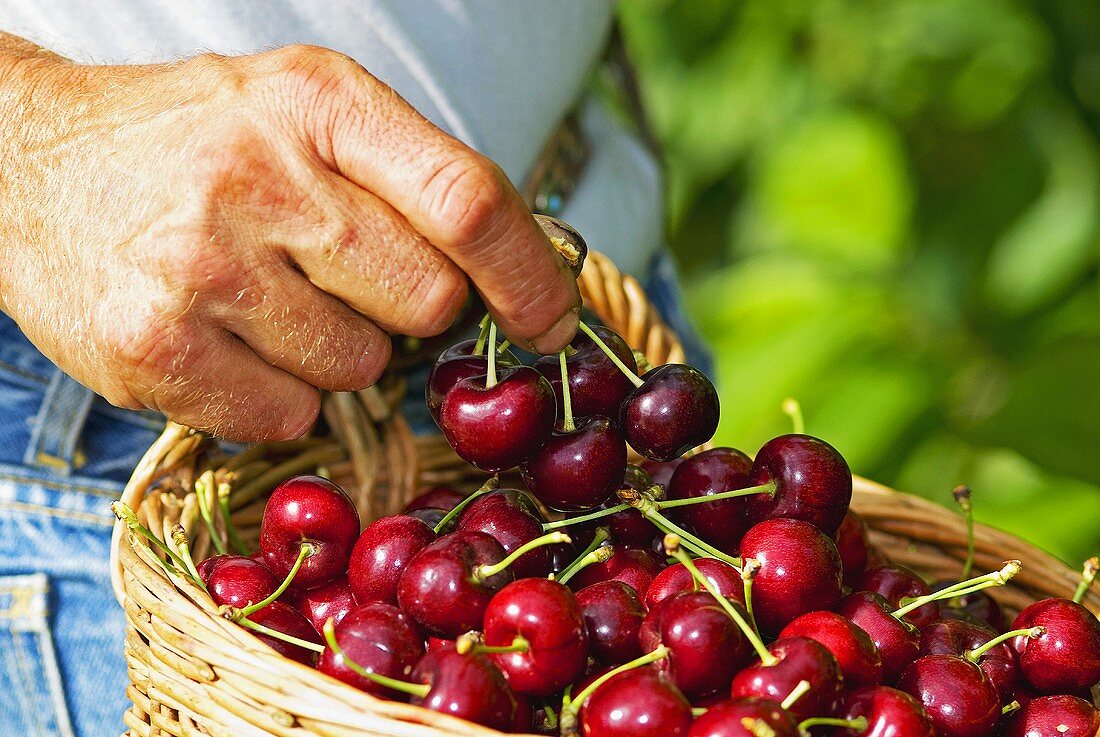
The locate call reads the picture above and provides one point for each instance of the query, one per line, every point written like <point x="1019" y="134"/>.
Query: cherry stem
<point x="420" y="690"/>
<point x="1088" y="575"/>
<point x="490" y="484"/>
<point x="634" y="378"/>
<point x="673" y="548"/>
<point x="585" y="518"/>
<point x="599" y="555"/>
<point x="566" y="399"/>
<point x="996" y="578"/>
<point x="491" y="372"/>
<point x="125" y="514"/>
<point x="757" y="727"/>
<point x="570" y="709"/>
<point x="962" y="498"/>
<point x="291" y="639"/>
<point x="793" y="409"/>
<point x="503" y="346"/>
<point x="749" y="568"/>
<point x="857" y="725"/>
<point x="768" y="488"/>
<point x="224" y="490"/>
<point x="489" y="570"/>
<point x="1010" y="707"/>
<point x="976" y="654"/>
<point x="664" y="524"/>
<point x="482" y="336"/>
<point x="203" y="491"/>
<point x="550" y="720"/>
<point x="179" y="538"/>
<point x="598" y="539"/>
<point x="471" y="643"/>
<point x="304" y="551"/>
<point x="796" y="693"/>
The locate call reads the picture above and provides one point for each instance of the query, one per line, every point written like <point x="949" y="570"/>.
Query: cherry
<point x="497" y="421"/>
<point x="797" y="659"/>
<point x="636" y="568"/>
<point x="744" y="718"/>
<point x="332" y="600"/>
<point x="512" y="518"/>
<point x="468" y="686"/>
<point x="596" y="385"/>
<point x="853" y="546"/>
<point x="896" y="583"/>
<point x="431" y="516"/>
<point x="674" y="409"/>
<point x="855" y="654"/>
<point x="285" y="620"/>
<point x="676" y="578"/>
<point x="812" y="482"/>
<point x="1066" y="658"/>
<point x="455" y="364"/>
<point x="612" y="617"/>
<point x="977" y="607"/>
<point x="314" y="511"/>
<point x="799" y="571"/>
<point x="637" y="703"/>
<point x="437" y="497"/>
<point x="720" y="523"/>
<point x="659" y="472"/>
<point x="381" y="553"/>
<point x="889" y="713"/>
<point x="579" y="469"/>
<point x="1054" y="716"/>
<point x="957" y="695"/>
<point x="958" y="638"/>
<point x="898" y="642"/>
<point x="694" y="628"/>
<point x="548" y="619"/>
<point x="434" y="643"/>
<point x="237" y="581"/>
<point x="379" y="638"/>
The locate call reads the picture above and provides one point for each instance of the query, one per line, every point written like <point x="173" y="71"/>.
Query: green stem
<point x="1088" y="575"/>
<point x="599" y="514"/>
<point x="599" y="555"/>
<point x="858" y="724"/>
<point x="490" y="484"/>
<point x="672" y="547"/>
<point x="749" y="568"/>
<point x="224" y="491"/>
<point x="127" y="515"/>
<point x="796" y="693"/>
<point x="962" y="498"/>
<point x="550" y="720"/>
<point x="491" y="372"/>
<point x="793" y="409"/>
<point x="634" y="378"/>
<point x="575" y="703"/>
<point x="256" y="627"/>
<point x="698" y="711"/>
<point x="420" y="690"/>
<point x="304" y="551"/>
<point x="503" y="346"/>
<point x="996" y="578"/>
<point x="483" y="334"/>
<point x="566" y="400"/>
<point x="202" y="495"/>
<point x="976" y="654"/>
<point x="179" y="537"/>
<point x="473" y="645"/>
<point x="491" y="569"/>
<point x="601" y="535"/>
<point x="649" y="511"/>
<point x="769" y="488"/>
<point x="1010" y="707"/>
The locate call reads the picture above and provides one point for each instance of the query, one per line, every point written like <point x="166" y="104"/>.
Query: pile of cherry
<point x="711" y="595"/>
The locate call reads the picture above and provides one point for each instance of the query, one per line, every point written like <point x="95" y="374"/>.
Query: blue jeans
<point x="65" y="454"/>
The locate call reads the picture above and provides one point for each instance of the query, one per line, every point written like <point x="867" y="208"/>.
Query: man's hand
<point x="216" y="238"/>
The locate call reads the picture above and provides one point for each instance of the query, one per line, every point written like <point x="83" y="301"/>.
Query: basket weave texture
<point x="192" y="672"/>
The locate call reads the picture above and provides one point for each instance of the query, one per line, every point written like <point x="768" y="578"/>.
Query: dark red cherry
<point x="1067" y="658"/>
<point x="799" y="571"/>
<point x="800" y="659"/>
<point x="857" y="656"/>
<point x="455" y="364"/>
<point x="512" y="518"/>
<point x="498" y="427"/>
<point x="431" y="516"/>
<point x="612" y="616"/>
<point x="437" y="497"/>
<point x="468" y="686"/>
<point x="743" y="718"/>
<point x="898" y="642"/>
<point x="441" y="589"/>
<point x="332" y="600"/>
<point x="894" y="583"/>
<point x="637" y="703"/>
<point x="580" y="469"/>
<point x="853" y="546"/>
<point x="381" y="639"/>
<point x="889" y="713"/>
<point x="720" y="523"/>
<point x="674" y="410"/>
<point x="813" y="482"/>
<point x="237" y="581"/>
<point x="636" y="568"/>
<point x="706" y="647"/>
<point x="287" y="620"/>
<point x="381" y="554"/>
<point x="628" y="528"/>
<point x="313" y="510"/>
<point x="677" y="578"/>
<point x="1054" y="716"/>
<point x="957" y="695"/>
<point x="596" y="385"/>
<point x="956" y="637"/>
<point x="660" y="472"/>
<point x="434" y="643"/>
<point x="978" y="606"/>
<point x="546" y="615"/>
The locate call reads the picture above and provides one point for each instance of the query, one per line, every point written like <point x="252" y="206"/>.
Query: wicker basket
<point x="194" y="673"/>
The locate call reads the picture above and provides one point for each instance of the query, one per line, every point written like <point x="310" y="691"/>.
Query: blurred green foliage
<point x="890" y="209"/>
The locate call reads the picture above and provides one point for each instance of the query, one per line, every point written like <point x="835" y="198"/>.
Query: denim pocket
<point x="35" y="702"/>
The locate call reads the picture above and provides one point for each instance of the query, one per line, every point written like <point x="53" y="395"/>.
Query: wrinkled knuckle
<point x="436" y="297"/>
<point x="465" y="196"/>
<point x="313" y="73"/>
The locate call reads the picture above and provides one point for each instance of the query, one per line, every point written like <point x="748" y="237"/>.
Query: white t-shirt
<point x="499" y="74"/>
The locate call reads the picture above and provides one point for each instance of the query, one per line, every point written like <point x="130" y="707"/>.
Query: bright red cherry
<point x="676" y="578"/>
<point x="1066" y="658"/>
<point x="857" y="656"/>
<point x="612" y="617"/>
<point x="743" y="718"/>
<point x="674" y="410"/>
<point x="237" y="581"/>
<point x="889" y="713"/>
<point x="287" y="620"/>
<point x="312" y="510"/>
<point x="799" y="571"/>
<point x="1054" y="716"/>
<point x="813" y="482"/>
<point x="437" y="497"/>
<point x="332" y="600"/>
<point x="720" y="523"/>
<point x="512" y="518"/>
<point x="957" y="637"/>
<point x="379" y="638"/>
<point x="895" y="583"/>
<point x="455" y="364"/>
<point x="898" y="642"/>
<point x="636" y="568"/>
<point x="596" y="385"/>
<point x="381" y="554"/>
<point x="578" y="470"/>
<point x="957" y="695"/>
<point x="637" y="703"/>
<point x="468" y="686"/>
<point x="799" y="659"/>
<point x="853" y="545"/>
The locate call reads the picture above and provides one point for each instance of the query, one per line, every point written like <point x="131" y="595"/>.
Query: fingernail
<point x="557" y="337"/>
